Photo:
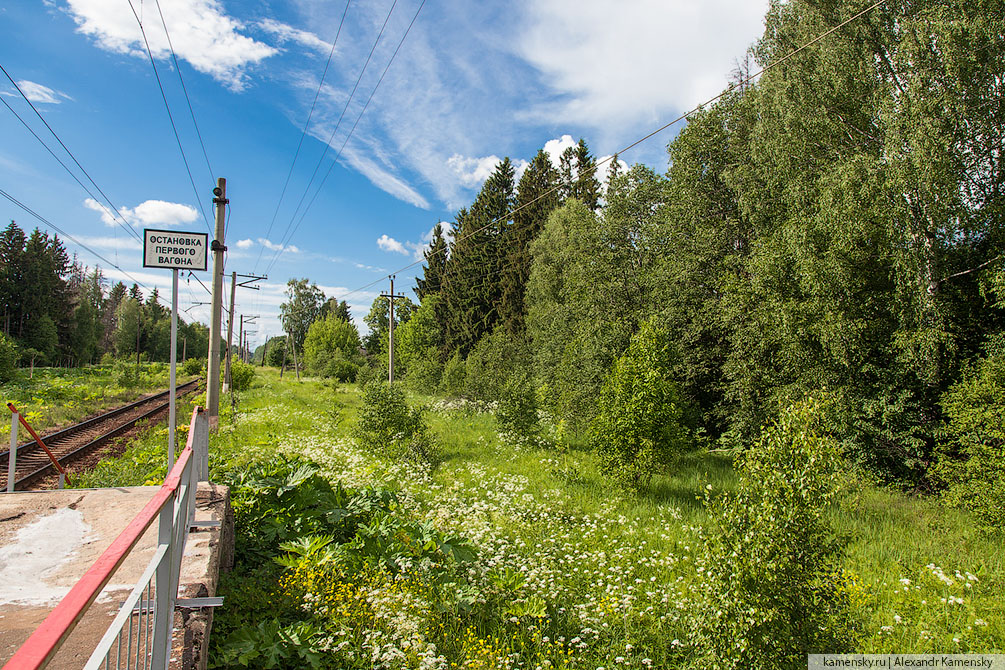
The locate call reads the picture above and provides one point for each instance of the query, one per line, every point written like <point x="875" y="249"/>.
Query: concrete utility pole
<point x="213" y="374"/>
<point x="230" y="331"/>
<point x="390" y="330"/>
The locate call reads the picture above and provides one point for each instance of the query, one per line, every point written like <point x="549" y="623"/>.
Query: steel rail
<point x="47" y="638"/>
<point x="28" y="448"/>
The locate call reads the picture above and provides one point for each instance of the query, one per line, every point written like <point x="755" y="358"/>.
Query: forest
<point x="724" y="414"/>
<point x="834" y="229"/>
<point x="58" y="312"/>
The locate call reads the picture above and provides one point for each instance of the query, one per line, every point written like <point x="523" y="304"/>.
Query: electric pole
<point x="230" y="331"/>
<point x="213" y="373"/>
<point x="246" y="283"/>
<point x="390" y="330"/>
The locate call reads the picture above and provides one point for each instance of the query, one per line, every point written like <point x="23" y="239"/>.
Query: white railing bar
<point x="125" y="611"/>
<point x="12" y="454"/>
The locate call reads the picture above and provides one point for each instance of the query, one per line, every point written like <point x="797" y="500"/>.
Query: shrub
<point x="643" y="421"/>
<point x="454" y="372"/>
<point x="193" y="366"/>
<point x="8" y="358"/>
<point x="369" y="373"/>
<point x="330" y="347"/>
<point x="387" y="425"/>
<point x="491" y="363"/>
<point x="972" y="461"/>
<point x="241" y="375"/>
<point x="772" y="589"/>
<point x="517" y="409"/>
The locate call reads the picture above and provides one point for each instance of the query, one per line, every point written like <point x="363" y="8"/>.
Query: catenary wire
<point x="65" y="234"/>
<point x="114" y="213"/>
<point x="303" y="134"/>
<point x="338" y="123"/>
<point x="174" y="127"/>
<point x="289" y="237"/>
<point x="181" y="79"/>
<point x="699" y="107"/>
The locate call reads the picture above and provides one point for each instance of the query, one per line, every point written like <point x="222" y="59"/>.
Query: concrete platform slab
<point x="49" y="539"/>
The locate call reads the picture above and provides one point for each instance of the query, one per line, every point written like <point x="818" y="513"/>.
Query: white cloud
<point x="384" y="179"/>
<point x="201" y="33"/>
<point x="147" y="213"/>
<point x="636" y="61"/>
<point x="285" y="33"/>
<point x="472" y="171"/>
<point x="390" y="244"/>
<point x="555" y="148"/>
<point x="272" y="246"/>
<point x="245" y="244"/>
<point x="42" y="94"/>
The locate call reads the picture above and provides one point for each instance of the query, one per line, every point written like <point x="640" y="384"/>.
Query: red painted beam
<point x="38" y="649"/>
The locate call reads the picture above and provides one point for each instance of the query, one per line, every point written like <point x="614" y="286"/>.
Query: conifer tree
<point x="473" y="290"/>
<point x="535" y="200"/>
<point x="435" y="269"/>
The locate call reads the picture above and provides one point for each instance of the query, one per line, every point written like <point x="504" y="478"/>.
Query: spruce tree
<point x="473" y="290"/>
<point x="434" y="271"/>
<point x="535" y="200"/>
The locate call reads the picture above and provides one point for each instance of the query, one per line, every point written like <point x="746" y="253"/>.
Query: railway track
<point x="78" y="440"/>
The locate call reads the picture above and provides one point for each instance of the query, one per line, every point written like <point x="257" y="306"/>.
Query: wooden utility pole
<point x="240" y="340"/>
<point x="213" y="373"/>
<point x="390" y="330"/>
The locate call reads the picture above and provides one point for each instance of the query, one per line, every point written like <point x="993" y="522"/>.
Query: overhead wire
<point x="70" y="237"/>
<point x="733" y="86"/>
<point x="181" y="79"/>
<point x="338" y="123"/>
<point x="284" y="243"/>
<point x="174" y="127"/>
<point x="114" y="213"/>
<point x="303" y="133"/>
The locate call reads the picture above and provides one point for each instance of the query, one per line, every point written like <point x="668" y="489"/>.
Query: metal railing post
<point x="12" y="454"/>
<point x="163" y="600"/>
<point x="200" y="447"/>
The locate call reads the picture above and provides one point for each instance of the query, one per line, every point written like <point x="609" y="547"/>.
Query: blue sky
<point x="471" y="83"/>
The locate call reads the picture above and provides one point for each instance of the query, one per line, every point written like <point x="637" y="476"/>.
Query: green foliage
<point x="378" y="320"/>
<point x="643" y="423"/>
<point x="331" y="348"/>
<point x="454" y="376"/>
<point x="972" y="462"/>
<point x="772" y="590"/>
<point x="387" y="425"/>
<point x="492" y="362"/>
<point x="8" y="358"/>
<point x="283" y="499"/>
<point x="193" y="366"/>
<point x="517" y="410"/>
<point x="302" y="308"/>
<point x="270" y="645"/>
<point x="241" y="375"/>
<point x="417" y="346"/>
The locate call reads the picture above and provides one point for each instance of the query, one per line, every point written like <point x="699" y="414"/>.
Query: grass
<point x="597" y="575"/>
<point x="56" y="397"/>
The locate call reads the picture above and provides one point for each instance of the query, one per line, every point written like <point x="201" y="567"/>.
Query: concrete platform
<point x="48" y="539"/>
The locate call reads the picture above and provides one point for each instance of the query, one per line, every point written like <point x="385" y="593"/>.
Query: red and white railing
<point x="140" y="635"/>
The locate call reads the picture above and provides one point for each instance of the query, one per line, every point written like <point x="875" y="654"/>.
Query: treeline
<point x="835" y="227"/>
<point x="56" y="311"/>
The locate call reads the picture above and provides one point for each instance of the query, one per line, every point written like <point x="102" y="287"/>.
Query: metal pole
<point x="213" y="376"/>
<point x="174" y="365"/>
<point x="12" y="455"/>
<point x="230" y="333"/>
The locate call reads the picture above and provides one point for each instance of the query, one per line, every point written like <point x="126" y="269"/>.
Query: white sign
<point x="174" y="250"/>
